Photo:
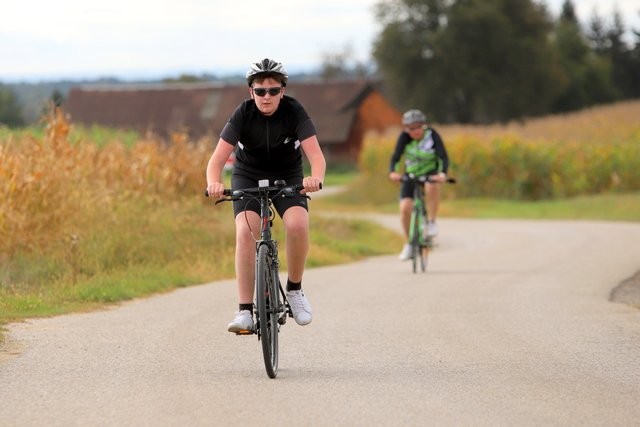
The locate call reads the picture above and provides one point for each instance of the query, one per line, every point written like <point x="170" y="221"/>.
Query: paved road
<point x="511" y="326"/>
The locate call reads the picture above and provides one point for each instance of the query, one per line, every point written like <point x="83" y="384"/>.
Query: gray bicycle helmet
<point x="267" y="68"/>
<point x="413" y="116"/>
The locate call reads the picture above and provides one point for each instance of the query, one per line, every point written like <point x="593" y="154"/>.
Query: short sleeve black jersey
<point x="268" y="144"/>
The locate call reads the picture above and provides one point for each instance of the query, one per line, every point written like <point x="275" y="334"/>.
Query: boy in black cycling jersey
<point x="424" y="154"/>
<point x="267" y="134"/>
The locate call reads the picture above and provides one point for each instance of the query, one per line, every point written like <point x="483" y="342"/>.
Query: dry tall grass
<point x="84" y="222"/>
<point x="588" y="152"/>
<point x="604" y="124"/>
<point x="51" y="188"/>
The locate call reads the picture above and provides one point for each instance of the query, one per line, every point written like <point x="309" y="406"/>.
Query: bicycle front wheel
<point x="267" y="299"/>
<point x="417" y="252"/>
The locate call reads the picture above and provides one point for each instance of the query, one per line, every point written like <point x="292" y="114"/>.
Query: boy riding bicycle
<point x="267" y="134"/>
<point x="424" y="154"/>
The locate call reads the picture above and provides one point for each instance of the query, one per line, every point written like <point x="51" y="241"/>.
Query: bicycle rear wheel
<point x="267" y="299"/>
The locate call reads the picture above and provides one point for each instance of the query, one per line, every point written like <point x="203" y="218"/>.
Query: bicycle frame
<point x="420" y="245"/>
<point x="420" y="210"/>
<point x="272" y="307"/>
<point x="266" y="222"/>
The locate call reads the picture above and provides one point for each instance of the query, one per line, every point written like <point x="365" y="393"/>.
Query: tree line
<point x="484" y="61"/>
<point x="10" y="110"/>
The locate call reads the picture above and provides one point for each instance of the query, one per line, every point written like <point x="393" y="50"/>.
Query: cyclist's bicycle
<point x="272" y="307"/>
<point x="421" y="242"/>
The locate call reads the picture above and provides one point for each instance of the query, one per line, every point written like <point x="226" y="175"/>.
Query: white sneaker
<point x="406" y="252"/>
<point x="432" y="229"/>
<point x="242" y="322"/>
<point x="300" y="307"/>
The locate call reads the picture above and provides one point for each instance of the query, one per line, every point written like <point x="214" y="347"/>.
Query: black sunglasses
<point x="262" y="91"/>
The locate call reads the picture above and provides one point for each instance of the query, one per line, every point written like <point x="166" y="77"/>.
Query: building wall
<point x="373" y="114"/>
<point x="342" y="120"/>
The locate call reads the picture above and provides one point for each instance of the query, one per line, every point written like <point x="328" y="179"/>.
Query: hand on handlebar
<point x="440" y="177"/>
<point x="311" y="184"/>
<point x="215" y="190"/>
<point x="395" y="176"/>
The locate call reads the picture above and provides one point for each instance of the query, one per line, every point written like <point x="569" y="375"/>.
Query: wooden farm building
<point x="342" y="111"/>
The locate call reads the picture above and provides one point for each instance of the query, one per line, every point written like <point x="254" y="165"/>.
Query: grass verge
<point x="157" y="248"/>
<point x="608" y="207"/>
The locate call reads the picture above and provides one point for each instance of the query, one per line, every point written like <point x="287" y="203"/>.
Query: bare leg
<point x="406" y="205"/>
<point x="296" y="225"/>
<point x="433" y="200"/>
<point x="246" y="254"/>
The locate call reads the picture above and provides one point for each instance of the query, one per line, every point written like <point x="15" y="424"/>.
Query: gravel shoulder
<point x="628" y="292"/>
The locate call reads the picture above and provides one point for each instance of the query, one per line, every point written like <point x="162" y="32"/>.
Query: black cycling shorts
<point x="406" y="189"/>
<point x="241" y="180"/>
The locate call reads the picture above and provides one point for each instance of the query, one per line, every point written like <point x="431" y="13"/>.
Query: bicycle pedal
<point x="245" y="332"/>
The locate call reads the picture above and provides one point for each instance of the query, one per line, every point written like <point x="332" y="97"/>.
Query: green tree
<point x="469" y="60"/>
<point x="587" y="75"/>
<point x="341" y="65"/>
<point x="500" y="57"/>
<point x="405" y="51"/>
<point x="635" y="59"/>
<point x="10" y="111"/>
<point x="621" y="59"/>
<point x="57" y="98"/>
<point x="597" y="34"/>
<point x="625" y="71"/>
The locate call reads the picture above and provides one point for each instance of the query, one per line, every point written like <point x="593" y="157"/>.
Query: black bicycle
<point x="420" y="240"/>
<point x="272" y="307"/>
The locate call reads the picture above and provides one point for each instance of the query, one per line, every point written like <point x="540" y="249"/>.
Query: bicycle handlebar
<point x="425" y="178"/>
<point x="280" y="188"/>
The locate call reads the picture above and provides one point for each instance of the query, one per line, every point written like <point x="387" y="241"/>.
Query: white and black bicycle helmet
<point x="413" y="116"/>
<point x="267" y="68"/>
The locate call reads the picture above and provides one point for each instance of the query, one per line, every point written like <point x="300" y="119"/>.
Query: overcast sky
<point x="129" y="39"/>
